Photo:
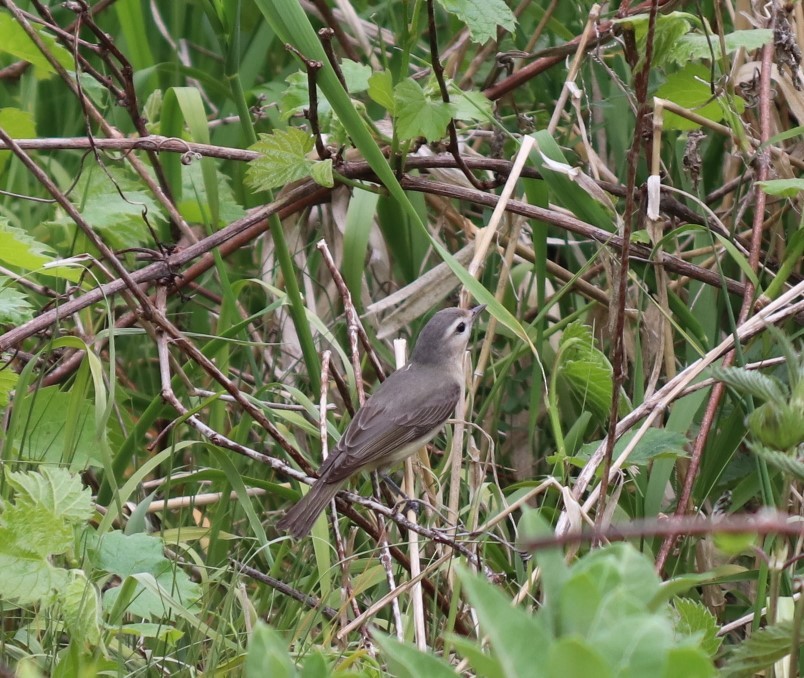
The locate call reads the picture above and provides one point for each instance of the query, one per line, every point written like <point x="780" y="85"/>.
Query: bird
<point x="406" y="411"/>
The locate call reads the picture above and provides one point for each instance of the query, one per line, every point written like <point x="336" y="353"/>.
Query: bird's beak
<point x="477" y="310"/>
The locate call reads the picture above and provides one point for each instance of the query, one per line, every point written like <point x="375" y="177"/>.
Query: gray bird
<point x="407" y="410"/>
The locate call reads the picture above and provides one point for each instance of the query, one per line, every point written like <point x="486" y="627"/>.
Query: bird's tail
<point x="300" y="518"/>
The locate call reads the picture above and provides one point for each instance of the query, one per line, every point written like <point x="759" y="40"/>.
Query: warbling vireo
<point x="404" y="413"/>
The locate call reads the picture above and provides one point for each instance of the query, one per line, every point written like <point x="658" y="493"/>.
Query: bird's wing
<point x="376" y="432"/>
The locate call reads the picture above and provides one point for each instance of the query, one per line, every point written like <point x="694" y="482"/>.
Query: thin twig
<point x="438" y="71"/>
<point x="312" y="66"/>
<point x="310" y="601"/>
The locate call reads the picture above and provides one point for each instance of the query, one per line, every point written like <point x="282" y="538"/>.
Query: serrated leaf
<point x="482" y="17"/>
<point x="37" y="530"/>
<point x="669" y="29"/>
<point x="750" y="381"/>
<point x="284" y="159"/>
<point x="417" y="114"/>
<point x="381" y="89"/>
<point x="694" y="619"/>
<point x="321" y="172"/>
<point x="695" y="46"/>
<point x="81" y="608"/>
<point x="20" y="249"/>
<point x="114" y="202"/>
<point x="14" y="306"/>
<point x="762" y="649"/>
<point x="27" y="577"/>
<point x="784" y="188"/>
<point x="786" y="462"/>
<point x="56" y="489"/>
<point x="690" y="89"/>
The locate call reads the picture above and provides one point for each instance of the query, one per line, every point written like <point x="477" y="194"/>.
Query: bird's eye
<point x="460" y="328"/>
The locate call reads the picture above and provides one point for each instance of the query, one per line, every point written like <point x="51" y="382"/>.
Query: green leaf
<point x="694" y="46"/>
<point x="37" y="526"/>
<point x="17" y="43"/>
<point x="136" y="555"/>
<point x="284" y="159"/>
<point x="689" y="88"/>
<point x="407" y="661"/>
<point x="586" y="369"/>
<point x="14" y="306"/>
<point x="162" y="632"/>
<point x="786" y="462"/>
<point x="37" y="530"/>
<point x="520" y="641"/>
<point x="321" y="172"/>
<point x="481" y="661"/>
<point x="419" y="115"/>
<point x="471" y="105"/>
<point x="668" y="31"/>
<point x="55" y="489"/>
<point x="778" y="425"/>
<point x="656" y="443"/>
<point x="81" y="608"/>
<point x="575" y="657"/>
<point x="19" y="249"/>
<point x="182" y="107"/>
<point x="688" y="662"/>
<point x="356" y="233"/>
<point x="47" y="427"/>
<point x="18" y="124"/>
<point x="784" y="188"/>
<point x="356" y="75"/>
<point x="750" y="381"/>
<point x="124" y="555"/>
<point x="692" y="618"/>
<point x="113" y="202"/>
<point x="381" y="89"/>
<point x="482" y="17"/>
<point x="8" y="380"/>
<point x="27" y="577"/>
<point x="760" y="650"/>
<point x="268" y="654"/>
<point x="734" y="543"/>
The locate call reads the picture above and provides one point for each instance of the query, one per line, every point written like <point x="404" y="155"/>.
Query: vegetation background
<point x="217" y="214"/>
